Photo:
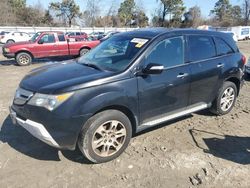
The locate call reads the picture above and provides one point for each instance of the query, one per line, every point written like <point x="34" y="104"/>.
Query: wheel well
<point x="23" y="51"/>
<point x="10" y="40"/>
<point x="124" y="110"/>
<point x="236" y="81"/>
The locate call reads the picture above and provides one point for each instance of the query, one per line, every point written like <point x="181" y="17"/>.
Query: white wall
<point x="64" y="29"/>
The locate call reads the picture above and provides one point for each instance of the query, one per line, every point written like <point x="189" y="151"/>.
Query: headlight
<point x="7" y="50"/>
<point x="49" y="102"/>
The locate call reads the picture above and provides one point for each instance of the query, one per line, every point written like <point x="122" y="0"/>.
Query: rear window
<point x="222" y="47"/>
<point x="61" y="38"/>
<point x="201" y="47"/>
<point x="4" y="32"/>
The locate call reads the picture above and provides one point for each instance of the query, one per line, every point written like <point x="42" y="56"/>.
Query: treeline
<point x="130" y="13"/>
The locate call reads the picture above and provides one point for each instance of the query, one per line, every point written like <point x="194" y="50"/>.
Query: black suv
<point x="132" y="81"/>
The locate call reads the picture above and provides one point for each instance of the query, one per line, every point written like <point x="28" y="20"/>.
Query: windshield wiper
<point x="92" y="66"/>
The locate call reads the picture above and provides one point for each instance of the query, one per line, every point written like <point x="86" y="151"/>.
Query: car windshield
<point x="35" y="36"/>
<point x="114" y="54"/>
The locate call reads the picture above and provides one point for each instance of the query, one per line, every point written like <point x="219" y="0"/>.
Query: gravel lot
<point x="198" y="150"/>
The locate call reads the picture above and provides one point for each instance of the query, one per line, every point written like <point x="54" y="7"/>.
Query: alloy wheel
<point x="109" y="138"/>
<point x="227" y="99"/>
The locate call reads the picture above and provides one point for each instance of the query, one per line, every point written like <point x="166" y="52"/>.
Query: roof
<point x="50" y="32"/>
<point x="153" y="32"/>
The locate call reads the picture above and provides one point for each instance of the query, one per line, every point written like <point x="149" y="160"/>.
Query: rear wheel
<point x="84" y="51"/>
<point x="105" y="136"/>
<point x="23" y="59"/>
<point x="225" y="99"/>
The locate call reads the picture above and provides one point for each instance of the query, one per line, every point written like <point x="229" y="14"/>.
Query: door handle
<point x="220" y="65"/>
<point x="182" y="75"/>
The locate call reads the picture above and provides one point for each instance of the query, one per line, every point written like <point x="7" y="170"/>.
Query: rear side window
<point x="169" y="52"/>
<point x="201" y="47"/>
<point x="222" y="47"/>
<point x="61" y="38"/>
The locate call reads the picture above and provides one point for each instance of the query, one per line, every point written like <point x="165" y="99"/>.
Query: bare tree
<point x="193" y="17"/>
<point x="246" y="11"/>
<point x="7" y="16"/>
<point x="111" y="13"/>
<point x="91" y="13"/>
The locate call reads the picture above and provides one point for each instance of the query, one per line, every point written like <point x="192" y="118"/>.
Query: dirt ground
<point x="198" y="150"/>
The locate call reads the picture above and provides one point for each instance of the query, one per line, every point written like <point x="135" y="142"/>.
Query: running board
<point x="175" y="115"/>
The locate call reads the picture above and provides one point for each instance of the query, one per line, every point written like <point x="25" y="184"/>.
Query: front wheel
<point x="23" y="59"/>
<point x="225" y="99"/>
<point x="105" y="136"/>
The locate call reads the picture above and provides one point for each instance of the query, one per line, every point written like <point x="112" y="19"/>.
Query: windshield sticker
<point x="140" y="42"/>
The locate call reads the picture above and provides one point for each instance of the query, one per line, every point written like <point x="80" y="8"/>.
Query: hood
<point x="17" y="44"/>
<point x="61" y="77"/>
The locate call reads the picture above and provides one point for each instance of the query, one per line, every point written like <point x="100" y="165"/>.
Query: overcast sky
<point x="149" y="5"/>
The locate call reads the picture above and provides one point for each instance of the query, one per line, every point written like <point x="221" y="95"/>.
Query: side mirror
<point x="153" y="68"/>
<point x="41" y="41"/>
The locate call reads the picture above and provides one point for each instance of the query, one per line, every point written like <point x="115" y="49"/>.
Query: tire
<point x="99" y="128"/>
<point x="84" y="51"/>
<point x="10" y="41"/>
<point x="247" y="75"/>
<point x="23" y="59"/>
<point x="227" y="93"/>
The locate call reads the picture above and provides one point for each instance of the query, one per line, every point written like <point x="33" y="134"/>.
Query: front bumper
<point x="34" y="128"/>
<point x="57" y="130"/>
<point x="8" y="55"/>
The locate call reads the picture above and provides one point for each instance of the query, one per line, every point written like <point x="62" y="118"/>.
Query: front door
<point x="165" y="93"/>
<point x="47" y="48"/>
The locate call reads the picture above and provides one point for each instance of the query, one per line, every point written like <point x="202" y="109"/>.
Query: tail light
<point x="244" y="59"/>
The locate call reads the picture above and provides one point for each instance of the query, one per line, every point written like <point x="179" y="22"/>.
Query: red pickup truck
<point x="46" y="44"/>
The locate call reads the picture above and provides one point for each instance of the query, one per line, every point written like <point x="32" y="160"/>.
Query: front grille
<point x="22" y="96"/>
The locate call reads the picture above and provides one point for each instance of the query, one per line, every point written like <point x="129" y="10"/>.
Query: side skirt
<point x="188" y="110"/>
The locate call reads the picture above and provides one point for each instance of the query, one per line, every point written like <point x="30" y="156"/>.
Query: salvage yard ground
<point x="197" y="150"/>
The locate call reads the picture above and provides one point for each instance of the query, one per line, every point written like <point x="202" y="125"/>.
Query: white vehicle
<point x="232" y="34"/>
<point x="242" y="32"/>
<point x="15" y="36"/>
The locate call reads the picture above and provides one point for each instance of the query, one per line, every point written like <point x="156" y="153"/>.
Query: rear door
<point x="206" y="69"/>
<point x="62" y="45"/>
<point x="165" y="93"/>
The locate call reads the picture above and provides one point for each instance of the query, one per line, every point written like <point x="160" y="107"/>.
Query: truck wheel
<point x="23" y="59"/>
<point x="10" y="41"/>
<point x="105" y="136"/>
<point x="84" y="51"/>
<point x="225" y="99"/>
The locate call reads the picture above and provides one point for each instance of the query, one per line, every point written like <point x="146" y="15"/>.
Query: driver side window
<point x="169" y="53"/>
<point x="48" y="38"/>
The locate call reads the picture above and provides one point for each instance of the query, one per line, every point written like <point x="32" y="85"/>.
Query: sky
<point x="149" y="5"/>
